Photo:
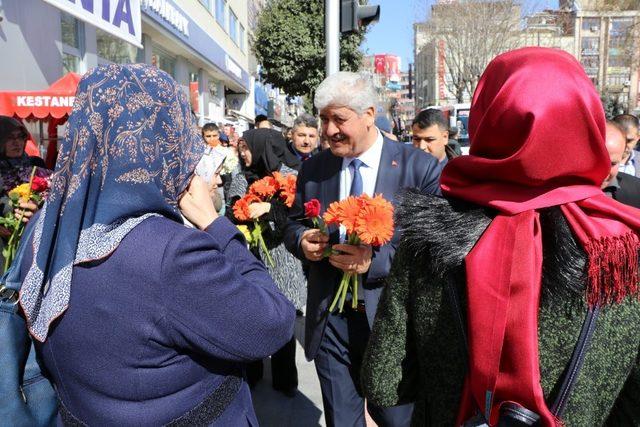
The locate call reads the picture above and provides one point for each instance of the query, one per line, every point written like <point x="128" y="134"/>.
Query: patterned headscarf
<point x="130" y="151"/>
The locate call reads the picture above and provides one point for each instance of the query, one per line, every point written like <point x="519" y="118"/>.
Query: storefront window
<point x="221" y="13"/>
<point x="114" y="49"/>
<point x="163" y="60"/>
<point x="213" y="87"/>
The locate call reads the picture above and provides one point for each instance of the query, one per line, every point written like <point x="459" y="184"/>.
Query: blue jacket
<point x="152" y="331"/>
<point x="401" y="166"/>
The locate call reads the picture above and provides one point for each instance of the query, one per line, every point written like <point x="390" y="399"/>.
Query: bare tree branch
<point x="473" y="32"/>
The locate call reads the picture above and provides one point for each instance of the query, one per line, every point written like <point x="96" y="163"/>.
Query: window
<point x="590" y="45"/>
<point x="620" y="27"/>
<point x="619" y="61"/>
<point x="70" y="63"/>
<point x="221" y="13"/>
<point x="591" y="65"/>
<point x="72" y="43"/>
<point x="70" y="30"/>
<point x="591" y="24"/>
<point x="206" y="3"/>
<point x="113" y="49"/>
<point x="163" y="60"/>
<point x="617" y="80"/>
<point x="241" y="36"/>
<point x="233" y="27"/>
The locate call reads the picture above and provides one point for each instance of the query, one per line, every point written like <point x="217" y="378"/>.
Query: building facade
<point x="604" y="35"/>
<point x="395" y="97"/>
<point x="607" y="46"/>
<point x="203" y="44"/>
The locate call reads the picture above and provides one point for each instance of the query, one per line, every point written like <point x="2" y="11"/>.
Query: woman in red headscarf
<point x="514" y="300"/>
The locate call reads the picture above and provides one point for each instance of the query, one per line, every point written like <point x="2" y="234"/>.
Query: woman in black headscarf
<point x="13" y="140"/>
<point x="262" y="152"/>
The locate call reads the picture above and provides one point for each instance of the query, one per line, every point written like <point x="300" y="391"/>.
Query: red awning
<point x="55" y="102"/>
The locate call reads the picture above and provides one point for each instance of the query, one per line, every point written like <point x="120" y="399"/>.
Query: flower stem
<point x="338" y="294"/>
<point x="354" y="291"/>
<point x="263" y="245"/>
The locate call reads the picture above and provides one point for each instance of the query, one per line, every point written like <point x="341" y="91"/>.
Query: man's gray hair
<point x="305" y="120"/>
<point x="345" y="89"/>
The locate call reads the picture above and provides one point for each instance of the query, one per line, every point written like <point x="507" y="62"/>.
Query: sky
<point x="394" y="32"/>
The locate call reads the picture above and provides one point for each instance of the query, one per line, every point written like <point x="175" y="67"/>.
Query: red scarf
<point x="537" y="129"/>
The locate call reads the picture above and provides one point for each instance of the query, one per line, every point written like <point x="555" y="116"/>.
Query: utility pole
<point x="332" y="35"/>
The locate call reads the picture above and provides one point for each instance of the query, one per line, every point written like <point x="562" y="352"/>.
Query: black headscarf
<point x="8" y="125"/>
<point x="268" y="153"/>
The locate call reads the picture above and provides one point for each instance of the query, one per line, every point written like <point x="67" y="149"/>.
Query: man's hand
<point x="352" y="259"/>
<point x="313" y="243"/>
<point x="256" y="210"/>
<point x="26" y="209"/>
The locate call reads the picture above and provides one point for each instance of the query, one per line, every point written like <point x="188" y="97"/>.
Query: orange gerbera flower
<point x="241" y="207"/>
<point x="378" y="200"/>
<point x="332" y="215"/>
<point x="265" y="187"/>
<point x="349" y="212"/>
<point x="374" y="224"/>
<point x="281" y="180"/>
<point x="288" y="197"/>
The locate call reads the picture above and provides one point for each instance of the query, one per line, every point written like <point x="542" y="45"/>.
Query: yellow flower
<point x="23" y="191"/>
<point x="245" y="231"/>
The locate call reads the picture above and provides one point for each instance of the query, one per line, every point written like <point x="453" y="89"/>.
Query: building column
<point x="145" y="54"/>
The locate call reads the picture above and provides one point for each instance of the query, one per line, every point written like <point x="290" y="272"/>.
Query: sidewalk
<point x="274" y="409"/>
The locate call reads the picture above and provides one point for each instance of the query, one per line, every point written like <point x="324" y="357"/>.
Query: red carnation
<point x="312" y="208"/>
<point x="39" y="184"/>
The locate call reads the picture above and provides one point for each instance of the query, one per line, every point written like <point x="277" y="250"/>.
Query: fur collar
<point x="440" y="232"/>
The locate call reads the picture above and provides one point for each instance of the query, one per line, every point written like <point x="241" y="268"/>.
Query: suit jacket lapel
<point x="331" y="190"/>
<point x="388" y="179"/>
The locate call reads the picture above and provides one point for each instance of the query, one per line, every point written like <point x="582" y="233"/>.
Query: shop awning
<point x="54" y="102"/>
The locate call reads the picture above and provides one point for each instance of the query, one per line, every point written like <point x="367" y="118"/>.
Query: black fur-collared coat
<point x="417" y="352"/>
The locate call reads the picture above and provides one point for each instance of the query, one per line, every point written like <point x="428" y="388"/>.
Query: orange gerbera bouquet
<point x="265" y="190"/>
<point x="367" y="220"/>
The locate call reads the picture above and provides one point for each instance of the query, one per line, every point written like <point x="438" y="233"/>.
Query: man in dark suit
<point x="360" y="160"/>
<point x="622" y="187"/>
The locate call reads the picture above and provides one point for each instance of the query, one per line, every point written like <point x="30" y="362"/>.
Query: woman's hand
<point x="256" y="210"/>
<point x="26" y="209"/>
<point x="196" y="204"/>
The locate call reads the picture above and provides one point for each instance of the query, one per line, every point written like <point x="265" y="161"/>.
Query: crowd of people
<point x="508" y="294"/>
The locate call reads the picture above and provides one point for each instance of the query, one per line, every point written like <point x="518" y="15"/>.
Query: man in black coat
<point x="360" y="160"/>
<point x="621" y="186"/>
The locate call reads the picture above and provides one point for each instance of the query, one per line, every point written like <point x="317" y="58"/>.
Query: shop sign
<point x="232" y="67"/>
<point x="169" y="13"/>
<point x="44" y="101"/>
<point x="120" y="18"/>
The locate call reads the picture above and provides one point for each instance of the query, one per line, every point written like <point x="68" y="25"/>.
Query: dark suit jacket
<point x="629" y="191"/>
<point x="401" y="166"/>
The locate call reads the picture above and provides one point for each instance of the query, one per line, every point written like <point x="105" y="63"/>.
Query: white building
<point x="203" y="44"/>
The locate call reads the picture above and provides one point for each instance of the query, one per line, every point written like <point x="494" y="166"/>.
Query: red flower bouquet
<point x="35" y="191"/>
